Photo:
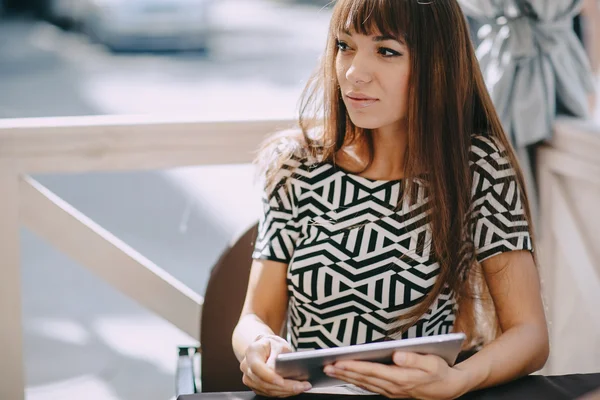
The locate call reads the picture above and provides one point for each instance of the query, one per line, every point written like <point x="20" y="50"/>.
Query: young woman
<point x="398" y="211"/>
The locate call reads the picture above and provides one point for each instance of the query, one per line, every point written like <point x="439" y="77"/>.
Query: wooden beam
<point x="106" y="256"/>
<point x="577" y="137"/>
<point x="571" y="166"/>
<point x="136" y="161"/>
<point x="83" y="144"/>
<point x="12" y="372"/>
<point x="546" y="242"/>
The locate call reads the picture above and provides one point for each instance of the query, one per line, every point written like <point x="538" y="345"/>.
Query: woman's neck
<point x="389" y="149"/>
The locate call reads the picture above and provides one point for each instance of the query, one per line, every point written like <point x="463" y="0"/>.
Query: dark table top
<point x="530" y="387"/>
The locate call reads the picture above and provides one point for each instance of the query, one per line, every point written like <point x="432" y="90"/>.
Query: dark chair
<point x="223" y="301"/>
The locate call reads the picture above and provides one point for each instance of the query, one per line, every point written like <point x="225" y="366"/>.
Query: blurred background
<point x="215" y="60"/>
<point x="209" y="59"/>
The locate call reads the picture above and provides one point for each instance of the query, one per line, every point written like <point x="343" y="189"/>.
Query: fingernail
<point x="399" y="358"/>
<point x="328" y="369"/>
<point x="302" y="387"/>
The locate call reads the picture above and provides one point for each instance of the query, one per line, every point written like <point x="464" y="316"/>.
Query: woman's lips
<point x="361" y="102"/>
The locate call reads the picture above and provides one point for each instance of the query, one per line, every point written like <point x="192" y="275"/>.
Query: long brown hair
<point x="447" y="103"/>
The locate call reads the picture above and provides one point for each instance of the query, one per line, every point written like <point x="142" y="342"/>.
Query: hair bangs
<point x="372" y="17"/>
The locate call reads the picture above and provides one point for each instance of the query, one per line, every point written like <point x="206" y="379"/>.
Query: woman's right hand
<point x="258" y="367"/>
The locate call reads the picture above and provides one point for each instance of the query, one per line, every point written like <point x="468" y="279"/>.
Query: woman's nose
<point x="359" y="71"/>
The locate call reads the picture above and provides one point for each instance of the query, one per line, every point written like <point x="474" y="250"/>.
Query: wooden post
<point x="12" y="380"/>
<point x="546" y="244"/>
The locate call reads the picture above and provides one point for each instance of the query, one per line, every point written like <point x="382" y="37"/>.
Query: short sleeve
<point x="278" y="229"/>
<point x="499" y="219"/>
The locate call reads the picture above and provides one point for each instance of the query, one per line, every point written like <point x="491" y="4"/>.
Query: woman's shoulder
<point x="286" y="155"/>
<point x="290" y="147"/>
<point x="490" y="158"/>
<point x="484" y="146"/>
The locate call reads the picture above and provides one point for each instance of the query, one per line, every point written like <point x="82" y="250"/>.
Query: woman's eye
<point x="342" y="46"/>
<point x="384" y="51"/>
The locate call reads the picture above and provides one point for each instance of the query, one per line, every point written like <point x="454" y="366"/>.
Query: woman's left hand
<point x="412" y="375"/>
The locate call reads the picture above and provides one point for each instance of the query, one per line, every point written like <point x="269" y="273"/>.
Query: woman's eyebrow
<point x="379" y="38"/>
<point x="383" y="38"/>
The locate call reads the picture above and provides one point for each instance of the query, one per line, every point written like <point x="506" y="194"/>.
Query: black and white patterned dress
<point x="356" y="262"/>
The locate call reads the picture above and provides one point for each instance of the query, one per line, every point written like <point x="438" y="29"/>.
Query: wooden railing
<point x="86" y="144"/>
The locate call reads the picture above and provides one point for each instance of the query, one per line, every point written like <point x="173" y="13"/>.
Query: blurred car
<point x="160" y="25"/>
<point x="67" y="12"/>
<point x="64" y="13"/>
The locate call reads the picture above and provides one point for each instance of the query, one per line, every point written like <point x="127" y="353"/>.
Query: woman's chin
<point x="365" y="122"/>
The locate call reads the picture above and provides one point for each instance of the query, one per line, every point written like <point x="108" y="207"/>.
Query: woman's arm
<point x="523" y="347"/>
<point x="263" y="315"/>
<point x="265" y="305"/>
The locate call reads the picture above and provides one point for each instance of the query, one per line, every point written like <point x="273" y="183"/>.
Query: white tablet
<point x="308" y="365"/>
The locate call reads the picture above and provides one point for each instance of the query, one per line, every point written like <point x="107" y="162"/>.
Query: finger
<point x="391" y="373"/>
<point x="260" y="387"/>
<point x="280" y="342"/>
<point x="372" y="383"/>
<point x="279" y="385"/>
<point x="428" y="363"/>
<point x="271" y="360"/>
<point x="289" y="386"/>
<point x="266" y="389"/>
<point x="270" y="394"/>
<point x="257" y="364"/>
<point x="278" y="346"/>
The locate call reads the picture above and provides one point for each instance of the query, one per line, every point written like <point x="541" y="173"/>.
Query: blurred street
<point x="83" y="339"/>
<point x="258" y="50"/>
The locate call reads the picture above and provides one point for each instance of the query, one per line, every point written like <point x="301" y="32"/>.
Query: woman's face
<point x="373" y="73"/>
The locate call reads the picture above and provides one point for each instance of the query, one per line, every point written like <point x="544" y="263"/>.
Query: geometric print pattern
<point x="500" y="221"/>
<point x="357" y="261"/>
